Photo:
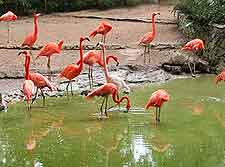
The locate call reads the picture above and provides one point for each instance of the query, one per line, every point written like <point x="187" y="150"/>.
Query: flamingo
<point x="149" y="36"/>
<point x="28" y="85"/>
<point x="194" y="46"/>
<point x="220" y="77"/>
<point x="93" y="57"/>
<point x="106" y="90"/>
<point x="9" y="16"/>
<point x="156" y="100"/>
<point x="48" y="50"/>
<point x="119" y="82"/>
<point x="71" y="71"/>
<point x="31" y="38"/>
<point x="38" y="79"/>
<point x="103" y="28"/>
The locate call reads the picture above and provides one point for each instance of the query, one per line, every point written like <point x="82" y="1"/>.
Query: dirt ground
<point x="65" y="26"/>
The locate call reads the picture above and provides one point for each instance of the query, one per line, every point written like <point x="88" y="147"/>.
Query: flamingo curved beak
<point x="117" y="63"/>
<point x="38" y="14"/>
<point x="21" y="52"/>
<point x="87" y="38"/>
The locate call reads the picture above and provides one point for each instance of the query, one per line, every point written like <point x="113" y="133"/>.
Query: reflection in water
<point x="181" y="139"/>
<point x="141" y="150"/>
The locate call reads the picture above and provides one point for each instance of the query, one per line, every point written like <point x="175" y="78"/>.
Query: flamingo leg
<point x="43" y="96"/>
<point x="92" y="80"/>
<point x="104" y="39"/>
<point x="8" y="31"/>
<point x="67" y="87"/>
<point x="49" y="68"/>
<point x="189" y="66"/>
<point x="89" y="76"/>
<point x="149" y="55"/>
<point x="156" y="113"/>
<point x="102" y="105"/>
<point x="35" y="97"/>
<point x="117" y="96"/>
<point x="145" y="54"/>
<point x="71" y="87"/>
<point x="106" y="104"/>
<point x="159" y="114"/>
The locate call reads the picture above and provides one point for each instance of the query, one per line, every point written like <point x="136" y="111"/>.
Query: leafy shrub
<point x="22" y="7"/>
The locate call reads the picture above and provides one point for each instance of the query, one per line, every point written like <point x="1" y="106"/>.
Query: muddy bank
<point x="132" y="75"/>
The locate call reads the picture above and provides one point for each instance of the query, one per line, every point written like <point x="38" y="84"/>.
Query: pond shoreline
<point x="134" y="76"/>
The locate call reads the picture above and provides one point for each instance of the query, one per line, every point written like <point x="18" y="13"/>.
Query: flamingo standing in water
<point x="220" y="77"/>
<point x="194" y="46"/>
<point x="119" y="82"/>
<point x="93" y="57"/>
<point x="39" y="80"/>
<point x="48" y="50"/>
<point x="106" y="90"/>
<point x="31" y="38"/>
<point x="71" y="71"/>
<point x="149" y="37"/>
<point x="28" y="85"/>
<point x="156" y="100"/>
<point x="103" y="28"/>
<point x="9" y="16"/>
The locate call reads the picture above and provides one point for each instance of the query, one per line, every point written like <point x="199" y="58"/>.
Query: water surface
<point x="66" y="133"/>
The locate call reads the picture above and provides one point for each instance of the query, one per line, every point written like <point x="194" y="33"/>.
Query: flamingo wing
<point x="147" y="38"/>
<point x="71" y="71"/>
<point x="41" y="81"/>
<point x="29" y="40"/>
<point x="28" y="87"/>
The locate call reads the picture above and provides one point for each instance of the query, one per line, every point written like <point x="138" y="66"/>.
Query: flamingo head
<point x="82" y="38"/>
<point x="36" y="15"/>
<point x="155" y="13"/>
<point x="24" y="53"/>
<point x="100" y="44"/>
<point x="128" y="105"/>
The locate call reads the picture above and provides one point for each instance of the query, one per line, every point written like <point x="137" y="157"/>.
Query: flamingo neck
<point x="118" y="101"/>
<point x="153" y="25"/>
<point x="35" y="26"/>
<point x="27" y="68"/>
<point x="110" y="57"/>
<point x="81" y="56"/>
<point x="105" y="65"/>
<point x="60" y="45"/>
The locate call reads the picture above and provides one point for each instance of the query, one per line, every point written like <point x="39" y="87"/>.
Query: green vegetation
<point x="30" y="6"/>
<point x="198" y="21"/>
<point x="203" y="12"/>
<point x="67" y="133"/>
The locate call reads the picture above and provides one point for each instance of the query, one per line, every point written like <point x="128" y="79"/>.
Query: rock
<point x="144" y="76"/>
<point x="178" y="64"/>
<point x="173" y="69"/>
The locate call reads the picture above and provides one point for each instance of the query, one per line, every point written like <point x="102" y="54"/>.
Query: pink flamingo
<point x="149" y="36"/>
<point x="93" y="57"/>
<point x="194" y="46"/>
<point x="119" y="82"/>
<point x="220" y="77"/>
<point x="106" y="90"/>
<point x="28" y="85"/>
<point x="71" y="71"/>
<point x="156" y="100"/>
<point x="103" y="28"/>
<point x="31" y="38"/>
<point x="50" y="49"/>
<point x="39" y="80"/>
<point x="9" y="16"/>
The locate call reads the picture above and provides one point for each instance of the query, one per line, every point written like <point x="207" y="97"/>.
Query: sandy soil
<point x="64" y="26"/>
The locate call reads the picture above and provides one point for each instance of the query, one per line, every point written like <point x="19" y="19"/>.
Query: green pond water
<point x="66" y="133"/>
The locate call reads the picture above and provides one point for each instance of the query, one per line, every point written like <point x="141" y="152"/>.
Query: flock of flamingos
<point x="113" y="83"/>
